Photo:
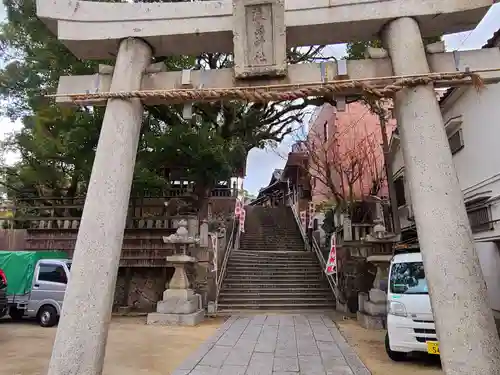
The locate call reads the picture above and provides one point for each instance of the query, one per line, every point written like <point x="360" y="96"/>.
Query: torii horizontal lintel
<point x="486" y="60"/>
<point x="92" y="30"/>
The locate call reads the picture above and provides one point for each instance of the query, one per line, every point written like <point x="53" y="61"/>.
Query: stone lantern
<point x="180" y="304"/>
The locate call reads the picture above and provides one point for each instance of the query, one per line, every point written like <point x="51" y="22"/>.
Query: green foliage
<point x="247" y="195"/>
<point x="57" y="145"/>
<point x="356" y="50"/>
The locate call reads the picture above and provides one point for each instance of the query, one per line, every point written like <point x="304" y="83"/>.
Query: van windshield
<point x="408" y="278"/>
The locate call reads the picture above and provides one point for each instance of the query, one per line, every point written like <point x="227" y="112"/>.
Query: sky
<point x="261" y="163"/>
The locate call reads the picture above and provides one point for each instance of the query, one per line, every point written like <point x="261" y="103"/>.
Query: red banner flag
<point x="331" y="265"/>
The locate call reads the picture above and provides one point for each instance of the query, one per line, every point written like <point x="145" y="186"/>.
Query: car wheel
<point x="16" y="314"/>
<point x="47" y="316"/>
<point x="395" y="356"/>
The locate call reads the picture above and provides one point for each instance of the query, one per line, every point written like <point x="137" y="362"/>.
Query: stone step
<point x="258" y="241"/>
<point x="290" y="246"/>
<point x="290" y="257"/>
<point x="272" y="278"/>
<point x="290" y="260"/>
<point x="270" y="263"/>
<point x="259" y="228"/>
<point x="267" y="239"/>
<point x="263" y="285"/>
<point x="274" y="253"/>
<point x="289" y="283"/>
<point x="253" y="268"/>
<point x="269" y="300"/>
<point x="296" y="249"/>
<point x="270" y="311"/>
<point x="270" y="246"/>
<point x="273" y="273"/>
<point x="281" y="275"/>
<point x="277" y="306"/>
<point x="252" y="293"/>
<point x="231" y="272"/>
<point x="269" y="233"/>
<point x="275" y="288"/>
<point x="258" y="231"/>
<point x="290" y="249"/>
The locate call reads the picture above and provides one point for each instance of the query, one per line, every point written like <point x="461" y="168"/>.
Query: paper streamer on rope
<point x="303" y="219"/>
<point x="242" y="220"/>
<point x="331" y="265"/>
<point x="312" y="211"/>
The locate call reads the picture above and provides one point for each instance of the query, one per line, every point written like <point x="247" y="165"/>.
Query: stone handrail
<point x="297" y="221"/>
<point x="331" y="281"/>
<point x="231" y="244"/>
<point x="315" y="247"/>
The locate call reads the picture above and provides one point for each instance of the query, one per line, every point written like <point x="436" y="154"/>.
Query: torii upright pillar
<point x="464" y="319"/>
<point x="82" y="334"/>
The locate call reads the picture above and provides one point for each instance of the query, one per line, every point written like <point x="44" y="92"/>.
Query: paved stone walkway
<point x="275" y="345"/>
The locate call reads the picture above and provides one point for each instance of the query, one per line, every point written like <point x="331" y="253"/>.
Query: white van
<point x="410" y="323"/>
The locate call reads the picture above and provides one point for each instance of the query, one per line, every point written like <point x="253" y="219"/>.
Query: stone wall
<point x="143" y="271"/>
<point x="13" y="239"/>
<point x="139" y="288"/>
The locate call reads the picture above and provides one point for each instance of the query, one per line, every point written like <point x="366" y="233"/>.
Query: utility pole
<point x="381" y="112"/>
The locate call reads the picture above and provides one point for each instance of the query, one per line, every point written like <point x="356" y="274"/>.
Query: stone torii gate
<point x="258" y="32"/>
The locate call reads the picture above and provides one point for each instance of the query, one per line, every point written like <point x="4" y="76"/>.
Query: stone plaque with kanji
<point x="259" y="38"/>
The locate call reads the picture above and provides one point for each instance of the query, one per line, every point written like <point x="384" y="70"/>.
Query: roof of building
<point x="490" y="43"/>
<point x="493" y="40"/>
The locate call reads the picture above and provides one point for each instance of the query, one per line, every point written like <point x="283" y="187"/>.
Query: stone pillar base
<point x="372" y="312"/>
<point x="161" y="319"/>
<point x="371" y="322"/>
<point x="178" y="307"/>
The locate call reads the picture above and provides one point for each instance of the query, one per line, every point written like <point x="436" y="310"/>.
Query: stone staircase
<point x="271" y="270"/>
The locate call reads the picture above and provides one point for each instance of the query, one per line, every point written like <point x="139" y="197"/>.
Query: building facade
<point x="349" y="144"/>
<point x="472" y="122"/>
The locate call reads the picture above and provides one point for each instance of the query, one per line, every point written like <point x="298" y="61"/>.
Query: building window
<point x="52" y="273"/>
<point x="399" y="187"/>
<point x="456" y="141"/>
<point x="325" y="131"/>
<point x="480" y="219"/>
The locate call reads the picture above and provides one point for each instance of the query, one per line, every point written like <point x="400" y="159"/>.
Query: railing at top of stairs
<point x="303" y="233"/>
<point x="233" y="243"/>
<point x="315" y="246"/>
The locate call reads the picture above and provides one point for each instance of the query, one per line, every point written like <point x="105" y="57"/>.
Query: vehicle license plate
<point x="432" y="347"/>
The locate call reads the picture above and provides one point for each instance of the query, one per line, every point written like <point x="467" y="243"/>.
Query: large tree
<point x="57" y="145"/>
